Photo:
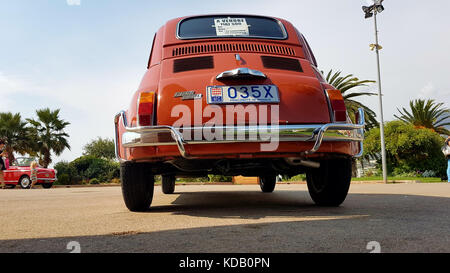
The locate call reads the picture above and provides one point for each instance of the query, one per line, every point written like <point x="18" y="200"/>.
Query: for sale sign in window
<point x="231" y="27"/>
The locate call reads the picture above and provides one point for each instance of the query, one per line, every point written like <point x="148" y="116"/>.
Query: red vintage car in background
<point x="19" y="172"/>
<point x="235" y="95"/>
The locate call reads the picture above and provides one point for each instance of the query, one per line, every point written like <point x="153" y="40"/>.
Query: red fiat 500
<point x="235" y="95"/>
<point x="19" y="173"/>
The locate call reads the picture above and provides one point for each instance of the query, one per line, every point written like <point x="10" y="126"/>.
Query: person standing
<point x="447" y="147"/>
<point x="2" y="163"/>
<point x="33" y="175"/>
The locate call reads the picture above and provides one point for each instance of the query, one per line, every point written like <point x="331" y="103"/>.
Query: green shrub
<point x="76" y="180"/>
<point x="193" y="179"/>
<point x="94" y="181"/>
<point x="300" y="177"/>
<point x="115" y="181"/>
<point x="409" y="150"/>
<point x="63" y="179"/>
<point x="88" y="167"/>
<point x="66" y="168"/>
<point x="220" y="178"/>
<point x="401" y="172"/>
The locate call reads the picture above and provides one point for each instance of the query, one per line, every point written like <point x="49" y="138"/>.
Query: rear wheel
<point x="267" y="183"/>
<point x="137" y="185"/>
<point x="329" y="184"/>
<point x="168" y="184"/>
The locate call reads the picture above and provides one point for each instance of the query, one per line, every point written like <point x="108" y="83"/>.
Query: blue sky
<point x="88" y="59"/>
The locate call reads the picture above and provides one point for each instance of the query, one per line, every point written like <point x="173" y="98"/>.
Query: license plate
<point x="242" y="94"/>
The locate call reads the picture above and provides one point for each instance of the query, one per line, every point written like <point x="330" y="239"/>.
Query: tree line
<point x="96" y="165"/>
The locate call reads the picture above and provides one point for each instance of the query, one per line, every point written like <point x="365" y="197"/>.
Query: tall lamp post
<point x="372" y="11"/>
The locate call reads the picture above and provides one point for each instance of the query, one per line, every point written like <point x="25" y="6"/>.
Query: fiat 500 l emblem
<point x="188" y="95"/>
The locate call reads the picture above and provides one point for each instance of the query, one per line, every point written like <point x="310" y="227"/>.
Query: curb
<point x="231" y="183"/>
<point x="156" y="184"/>
<point x="388" y="182"/>
<point x="86" y="186"/>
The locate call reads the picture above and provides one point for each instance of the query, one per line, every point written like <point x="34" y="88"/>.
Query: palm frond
<point x="352" y="95"/>
<point x="426" y="113"/>
<point x="348" y="82"/>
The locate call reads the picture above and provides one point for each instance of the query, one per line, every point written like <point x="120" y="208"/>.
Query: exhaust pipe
<point x="295" y="161"/>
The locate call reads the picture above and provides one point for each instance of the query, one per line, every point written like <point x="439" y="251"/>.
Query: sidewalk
<point x="230" y="183"/>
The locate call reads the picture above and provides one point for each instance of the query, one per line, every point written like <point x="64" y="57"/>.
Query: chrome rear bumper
<point x="168" y="135"/>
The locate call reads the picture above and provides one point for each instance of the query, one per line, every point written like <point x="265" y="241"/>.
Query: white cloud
<point x="14" y="84"/>
<point x="73" y="2"/>
<point x="8" y="86"/>
<point x="429" y="91"/>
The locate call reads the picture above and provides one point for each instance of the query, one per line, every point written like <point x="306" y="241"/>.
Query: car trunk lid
<point x="184" y="82"/>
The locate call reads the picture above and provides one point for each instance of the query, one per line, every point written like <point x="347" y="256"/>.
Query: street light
<point x="372" y="11"/>
<point x="377" y="7"/>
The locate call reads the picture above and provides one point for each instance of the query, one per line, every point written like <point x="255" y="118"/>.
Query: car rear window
<point x="222" y="26"/>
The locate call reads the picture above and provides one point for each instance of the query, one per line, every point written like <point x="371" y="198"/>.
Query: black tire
<point x="168" y="184"/>
<point x="25" y="182"/>
<point x="137" y="185"/>
<point x="267" y="183"/>
<point x="47" y="185"/>
<point x="329" y="184"/>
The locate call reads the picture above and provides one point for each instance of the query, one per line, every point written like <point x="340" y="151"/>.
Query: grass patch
<point x="396" y="178"/>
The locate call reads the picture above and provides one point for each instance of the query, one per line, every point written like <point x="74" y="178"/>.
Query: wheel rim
<point x="25" y="182"/>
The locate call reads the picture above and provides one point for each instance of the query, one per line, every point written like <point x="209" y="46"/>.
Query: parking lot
<point x="228" y="218"/>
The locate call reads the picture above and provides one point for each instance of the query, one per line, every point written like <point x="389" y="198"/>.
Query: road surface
<point x="227" y="218"/>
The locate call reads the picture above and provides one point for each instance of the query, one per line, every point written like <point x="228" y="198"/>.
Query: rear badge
<point x="188" y="95"/>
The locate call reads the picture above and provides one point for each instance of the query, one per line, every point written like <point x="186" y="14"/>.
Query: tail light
<point x="337" y="105"/>
<point x="145" y="108"/>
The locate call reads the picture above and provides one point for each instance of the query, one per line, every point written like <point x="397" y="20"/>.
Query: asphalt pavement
<point x="227" y="218"/>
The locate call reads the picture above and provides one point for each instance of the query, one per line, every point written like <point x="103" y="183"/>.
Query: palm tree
<point x="427" y="114"/>
<point x="346" y="83"/>
<point x="48" y="131"/>
<point x="16" y="133"/>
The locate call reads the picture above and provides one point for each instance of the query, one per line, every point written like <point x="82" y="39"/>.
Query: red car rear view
<point x="235" y="95"/>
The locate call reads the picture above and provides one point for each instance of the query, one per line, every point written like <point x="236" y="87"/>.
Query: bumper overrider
<point x="162" y="135"/>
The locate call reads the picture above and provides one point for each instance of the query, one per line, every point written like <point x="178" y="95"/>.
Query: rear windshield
<point x="221" y="26"/>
